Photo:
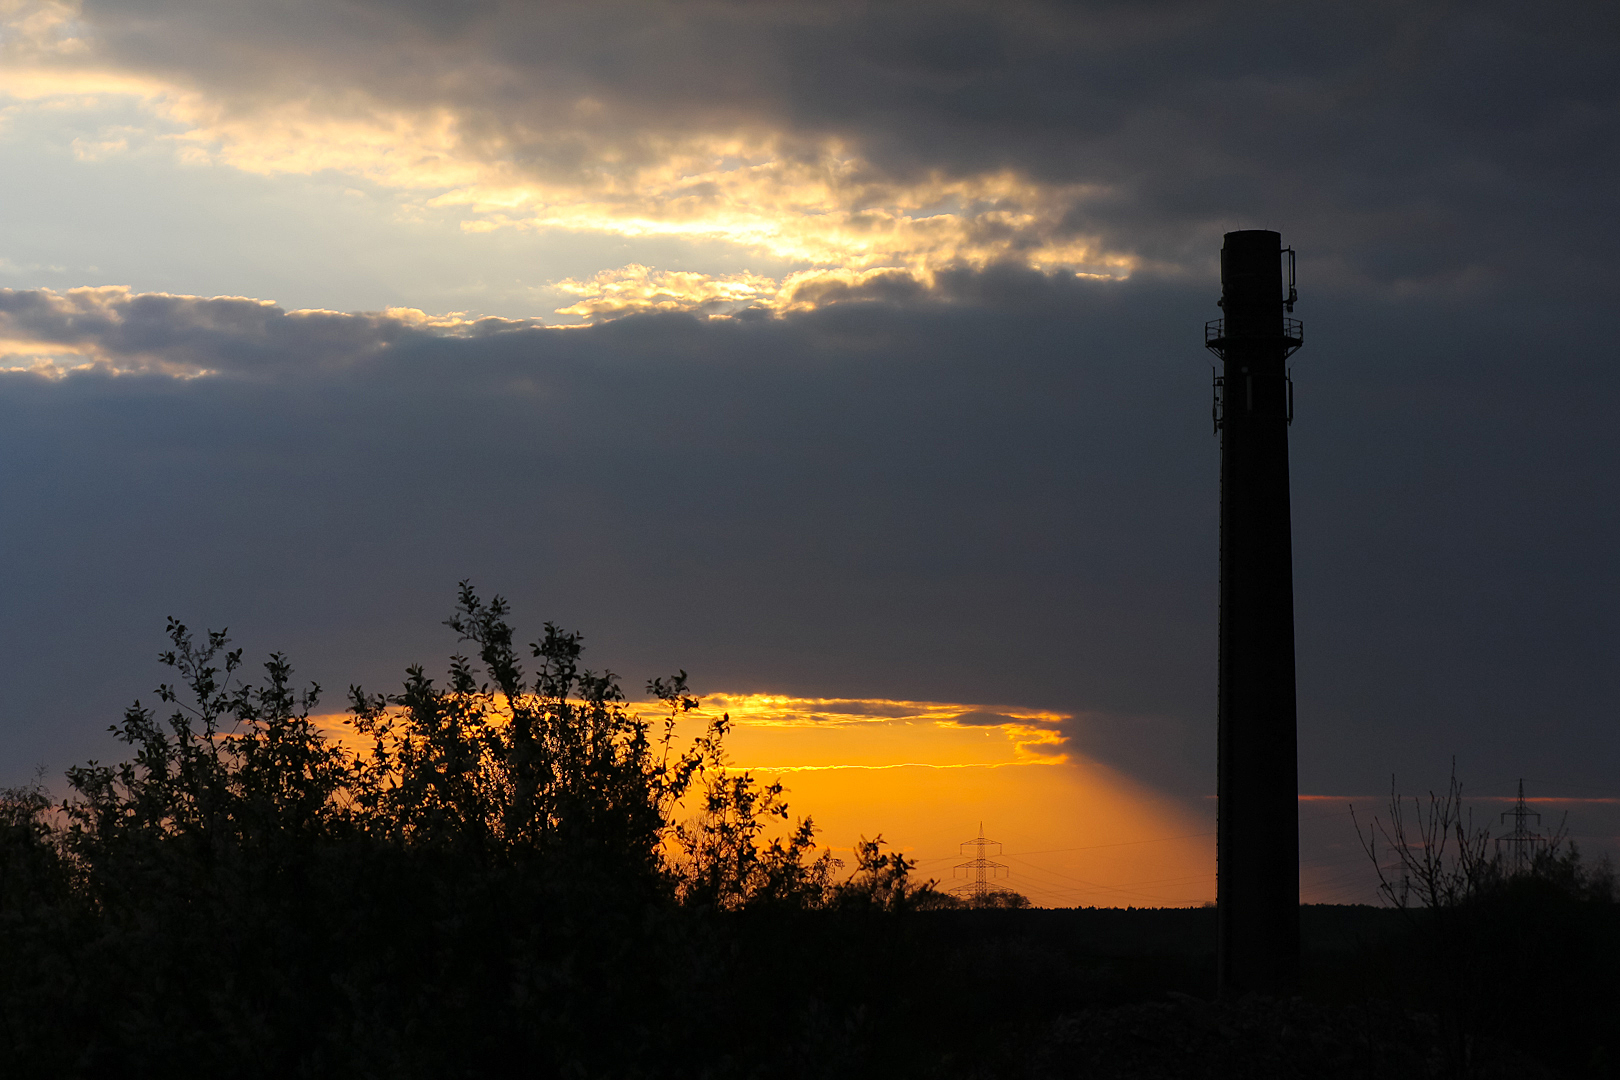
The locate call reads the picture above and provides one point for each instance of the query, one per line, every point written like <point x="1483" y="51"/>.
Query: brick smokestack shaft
<point x="1258" y="786"/>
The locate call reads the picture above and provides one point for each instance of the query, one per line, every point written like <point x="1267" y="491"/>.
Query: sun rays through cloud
<point x="815" y="203"/>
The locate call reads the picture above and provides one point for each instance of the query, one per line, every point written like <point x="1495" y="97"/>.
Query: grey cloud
<point x="188" y="334"/>
<point x="1401" y="145"/>
<point x="1001" y="493"/>
<point x="895" y="285"/>
<point x="986" y="718"/>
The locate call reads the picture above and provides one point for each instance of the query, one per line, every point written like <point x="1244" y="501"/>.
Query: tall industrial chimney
<point x="1257" y="876"/>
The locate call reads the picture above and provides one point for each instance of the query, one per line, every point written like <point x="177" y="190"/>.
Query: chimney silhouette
<point x="1257" y="876"/>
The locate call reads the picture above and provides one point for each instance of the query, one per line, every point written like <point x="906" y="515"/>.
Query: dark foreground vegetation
<point x="520" y="876"/>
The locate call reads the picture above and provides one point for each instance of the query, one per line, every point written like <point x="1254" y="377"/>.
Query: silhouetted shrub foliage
<point x="517" y="874"/>
<point x="517" y="870"/>
<point x="1499" y="953"/>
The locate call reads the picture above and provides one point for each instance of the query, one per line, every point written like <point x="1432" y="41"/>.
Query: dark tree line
<point x="513" y="872"/>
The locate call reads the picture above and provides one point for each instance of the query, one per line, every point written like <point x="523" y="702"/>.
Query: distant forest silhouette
<point x="518" y="873"/>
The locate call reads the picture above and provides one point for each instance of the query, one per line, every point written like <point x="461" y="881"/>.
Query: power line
<point x="1122" y="843"/>
<point x="1132" y="890"/>
<point x="1083" y="847"/>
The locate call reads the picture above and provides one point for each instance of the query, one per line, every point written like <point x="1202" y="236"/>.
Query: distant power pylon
<point x="1523" y="842"/>
<point x="980" y="870"/>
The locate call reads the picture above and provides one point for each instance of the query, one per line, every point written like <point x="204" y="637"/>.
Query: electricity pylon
<point x="1523" y="842"/>
<point x="980" y="870"/>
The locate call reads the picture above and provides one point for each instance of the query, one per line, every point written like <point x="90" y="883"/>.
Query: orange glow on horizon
<point x="924" y="775"/>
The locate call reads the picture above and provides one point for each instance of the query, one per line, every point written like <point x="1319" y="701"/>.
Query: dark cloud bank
<point x="1404" y="146"/>
<point x="1003" y="494"/>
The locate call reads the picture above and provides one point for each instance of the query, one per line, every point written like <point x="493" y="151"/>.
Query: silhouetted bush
<point x="505" y="872"/>
<point x="1502" y="958"/>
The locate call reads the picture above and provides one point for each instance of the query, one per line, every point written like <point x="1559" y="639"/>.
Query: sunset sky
<point x="847" y="356"/>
